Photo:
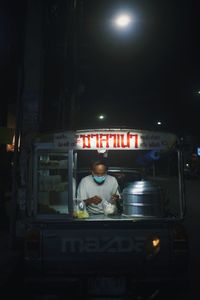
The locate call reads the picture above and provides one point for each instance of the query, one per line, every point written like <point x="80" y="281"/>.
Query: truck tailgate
<point x="105" y="250"/>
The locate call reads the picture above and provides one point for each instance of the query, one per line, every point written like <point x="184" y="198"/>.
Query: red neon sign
<point x="108" y="140"/>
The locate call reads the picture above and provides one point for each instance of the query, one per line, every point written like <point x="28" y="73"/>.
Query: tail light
<point x="32" y="244"/>
<point x="152" y="247"/>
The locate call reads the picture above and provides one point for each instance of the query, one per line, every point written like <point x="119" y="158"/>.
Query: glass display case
<point x="52" y="182"/>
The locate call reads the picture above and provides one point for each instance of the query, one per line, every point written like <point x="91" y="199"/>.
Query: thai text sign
<point x="115" y="140"/>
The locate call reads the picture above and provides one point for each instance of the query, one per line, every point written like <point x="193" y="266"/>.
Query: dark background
<point x="150" y="73"/>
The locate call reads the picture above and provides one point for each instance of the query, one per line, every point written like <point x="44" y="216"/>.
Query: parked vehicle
<point x="140" y="250"/>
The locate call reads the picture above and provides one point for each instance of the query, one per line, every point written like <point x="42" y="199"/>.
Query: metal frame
<point x="72" y="164"/>
<point x="49" y="147"/>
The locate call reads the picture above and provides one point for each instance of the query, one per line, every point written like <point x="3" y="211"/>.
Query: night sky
<point x="149" y="73"/>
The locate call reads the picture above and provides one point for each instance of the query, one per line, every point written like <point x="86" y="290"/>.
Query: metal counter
<point x="121" y="217"/>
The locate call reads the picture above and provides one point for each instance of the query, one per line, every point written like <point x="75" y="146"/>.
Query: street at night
<point x="100" y="149"/>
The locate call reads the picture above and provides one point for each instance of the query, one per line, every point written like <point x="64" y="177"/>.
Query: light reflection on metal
<point x="10" y="147"/>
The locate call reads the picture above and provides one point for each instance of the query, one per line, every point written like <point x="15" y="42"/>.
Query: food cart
<point x="141" y="248"/>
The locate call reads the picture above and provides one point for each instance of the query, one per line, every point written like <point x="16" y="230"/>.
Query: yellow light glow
<point x="155" y="242"/>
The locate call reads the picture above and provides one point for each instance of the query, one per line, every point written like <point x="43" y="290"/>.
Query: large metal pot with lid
<point x="143" y="199"/>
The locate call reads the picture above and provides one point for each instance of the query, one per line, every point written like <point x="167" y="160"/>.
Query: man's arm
<point x="115" y="191"/>
<point x="93" y="200"/>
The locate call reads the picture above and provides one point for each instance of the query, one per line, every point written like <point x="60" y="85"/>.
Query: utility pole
<point x="28" y="102"/>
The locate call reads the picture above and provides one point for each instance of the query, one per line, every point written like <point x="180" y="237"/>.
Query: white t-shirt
<point x="89" y="188"/>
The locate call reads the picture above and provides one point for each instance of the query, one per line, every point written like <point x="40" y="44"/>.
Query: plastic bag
<point x="108" y="208"/>
<point x="80" y="210"/>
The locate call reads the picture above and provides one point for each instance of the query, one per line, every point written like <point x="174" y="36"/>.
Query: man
<point x="98" y="189"/>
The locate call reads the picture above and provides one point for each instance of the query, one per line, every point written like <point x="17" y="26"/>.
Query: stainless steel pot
<point x="143" y="198"/>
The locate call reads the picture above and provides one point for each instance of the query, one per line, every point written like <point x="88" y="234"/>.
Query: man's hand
<point x="114" y="198"/>
<point x="94" y="200"/>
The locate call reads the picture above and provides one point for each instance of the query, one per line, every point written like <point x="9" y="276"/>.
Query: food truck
<point x="139" y="249"/>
